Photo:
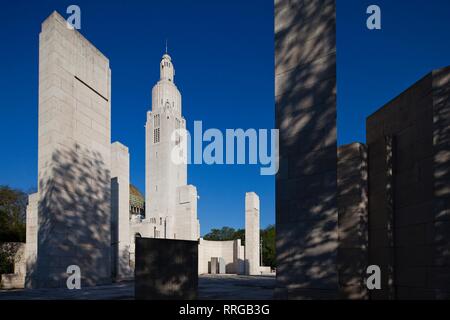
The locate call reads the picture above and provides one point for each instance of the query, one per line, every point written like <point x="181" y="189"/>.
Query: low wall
<point x="15" y="280"/>
<point x="231" y="251"/>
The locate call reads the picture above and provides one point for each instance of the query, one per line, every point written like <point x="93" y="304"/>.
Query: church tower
<point x="171" y="204"/>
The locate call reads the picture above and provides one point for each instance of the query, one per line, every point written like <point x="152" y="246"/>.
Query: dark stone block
<point x="166" y="269"/>
<point x="305" y="68"/>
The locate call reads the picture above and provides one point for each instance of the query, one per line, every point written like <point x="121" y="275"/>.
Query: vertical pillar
<point x="353" y="255"/>
<point x="120" y="210"/>
<point x="74" y="152"/>
<point x="31" y="238"/>
<point x="252" y="234"/>
<point x="306" y="183"/>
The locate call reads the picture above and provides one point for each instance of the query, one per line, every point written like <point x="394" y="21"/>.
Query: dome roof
<point x="135" y="192"/>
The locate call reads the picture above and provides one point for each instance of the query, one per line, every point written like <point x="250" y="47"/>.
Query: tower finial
<point x="166" y="46"/>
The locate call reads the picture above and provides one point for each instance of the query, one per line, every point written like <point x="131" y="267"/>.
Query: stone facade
<point x="252" y="234"/>
<point x="74" y="206"/>
<point x="232" y="253"/>
<point x="120" y="211"/>
<point x="306" y="183"/>
<point x="409" y="191"/>
<point x="353" y="220"/>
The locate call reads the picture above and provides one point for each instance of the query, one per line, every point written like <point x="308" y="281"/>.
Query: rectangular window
<point x="156" y="135"/>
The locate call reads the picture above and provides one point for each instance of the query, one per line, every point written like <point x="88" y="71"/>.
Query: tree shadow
<point x="74" y="219"/>
<point x="353" y="221"/>
<point x="306" y="184"/>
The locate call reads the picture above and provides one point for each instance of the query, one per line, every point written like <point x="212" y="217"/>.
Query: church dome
<point x="136" y="197"/>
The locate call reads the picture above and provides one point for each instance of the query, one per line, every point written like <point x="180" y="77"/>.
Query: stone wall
<point x="74" y="148"/>
<point x="231" y="251"/>
<point x="306" y="183"/>
<point x="352" y="220"/>
<point x="409" y="191"/>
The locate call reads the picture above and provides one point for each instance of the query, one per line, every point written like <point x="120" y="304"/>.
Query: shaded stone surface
<point x="221" y="287"/>
<point x="166" y="269"/>
<point x="352" y="220"/>
<point x="409" y="191"/>
<point x="306" y="183"/>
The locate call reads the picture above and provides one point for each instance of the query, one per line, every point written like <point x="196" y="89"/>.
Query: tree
<point x="12" y="214"/>
<point x="268" y="246"/>
<point x="224" y="234"/>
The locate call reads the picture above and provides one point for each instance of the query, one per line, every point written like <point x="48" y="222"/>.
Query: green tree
<point x="268" y="246"/>
<point x="224" y="234"/>
<point x="12" y="214"/>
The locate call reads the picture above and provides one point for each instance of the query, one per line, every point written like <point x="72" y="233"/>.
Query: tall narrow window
<point x="156" y="126"/>
<point x="156" y="135"/>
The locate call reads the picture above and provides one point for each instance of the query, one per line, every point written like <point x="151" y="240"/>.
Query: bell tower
<point x="166" y="180"/>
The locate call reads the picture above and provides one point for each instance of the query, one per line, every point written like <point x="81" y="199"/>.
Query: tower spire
<point x="166" y="46"/>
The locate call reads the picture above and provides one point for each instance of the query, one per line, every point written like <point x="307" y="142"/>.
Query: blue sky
<point x="375" y="66"/>
<point x="224" y="60"/>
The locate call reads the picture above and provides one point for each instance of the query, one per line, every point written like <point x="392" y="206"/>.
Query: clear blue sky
<point x="375" y="66"/>
<point x="223" y="55"/>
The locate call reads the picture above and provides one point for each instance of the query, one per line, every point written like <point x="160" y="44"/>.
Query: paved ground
<point x="211" y="287"/>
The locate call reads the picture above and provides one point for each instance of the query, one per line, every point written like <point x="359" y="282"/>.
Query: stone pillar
<point x="353" y="256"/>
<point x="239" y="257"/>
<point x="214" y="265"/>
<point x="120" y="210"/>
<point x="31" y="238"/>
<point x="252" y="234"/>
<point x="74" y="152"/>
<point x="306" y="183"/>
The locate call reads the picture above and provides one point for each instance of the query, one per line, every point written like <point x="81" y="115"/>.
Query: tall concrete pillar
<point x="306" y="183"/>
<point x="120" y="210"/>
<point x="74" y="151"/>
<point x="31" y="237"/>
<point x="252" y="230"/>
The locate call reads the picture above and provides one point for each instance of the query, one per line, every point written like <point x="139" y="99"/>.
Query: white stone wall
<point x="74" y="149"/>
<point x="228" y="250"/>
<point x="186" y="219"/>
<point x="252" y="234"/>
<point x="120" y="210"/>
